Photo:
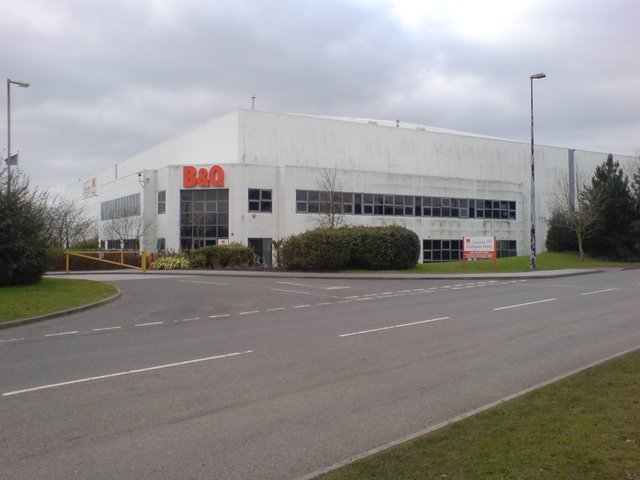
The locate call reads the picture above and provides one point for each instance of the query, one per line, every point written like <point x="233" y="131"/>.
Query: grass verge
<point x="545" y="261"/>
<point x="48" y="296"/>
<point x="586" y="427"/>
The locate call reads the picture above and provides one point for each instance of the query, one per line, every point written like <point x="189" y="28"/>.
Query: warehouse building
<point x="253" y="177"/>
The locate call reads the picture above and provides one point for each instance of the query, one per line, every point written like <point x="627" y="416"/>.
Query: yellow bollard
<point x="143" y="262"/>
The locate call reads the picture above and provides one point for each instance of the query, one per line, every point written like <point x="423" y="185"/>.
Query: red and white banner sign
<point x="478" y="247"/>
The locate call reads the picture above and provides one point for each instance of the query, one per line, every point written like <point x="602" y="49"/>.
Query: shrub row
<point x="370" y="248"/>
<point x="222" y="256"/>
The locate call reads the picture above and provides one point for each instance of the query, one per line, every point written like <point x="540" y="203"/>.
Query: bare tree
<point x="124" y="228"/>
<point x="575" y="208"/>
<point x="330" y="212"/>
<point x="67" y="223"/>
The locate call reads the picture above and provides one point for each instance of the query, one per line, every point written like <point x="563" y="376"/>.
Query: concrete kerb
<point x="351" y="276"/>
<point x="61" y="313"/>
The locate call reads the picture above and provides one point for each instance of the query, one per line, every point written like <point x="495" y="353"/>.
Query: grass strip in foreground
<point x="50" y="295"/>
<point x="586" y="427"/>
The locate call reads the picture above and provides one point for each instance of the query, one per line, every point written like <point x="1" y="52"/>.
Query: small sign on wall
<point x="223" y="241"/>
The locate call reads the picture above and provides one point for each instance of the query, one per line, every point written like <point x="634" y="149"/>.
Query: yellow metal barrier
<point x="143" y="260"/>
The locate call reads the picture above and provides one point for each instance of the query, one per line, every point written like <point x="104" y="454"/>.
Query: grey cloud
<point x="111" y="78"/>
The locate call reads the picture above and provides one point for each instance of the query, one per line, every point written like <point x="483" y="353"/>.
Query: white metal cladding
<point x="285" y="152"/>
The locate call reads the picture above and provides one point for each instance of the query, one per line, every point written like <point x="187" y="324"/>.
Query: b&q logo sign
<point x="201" y="177"/>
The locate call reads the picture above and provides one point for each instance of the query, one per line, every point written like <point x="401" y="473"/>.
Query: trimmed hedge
<point x="369" y="248"/>
<point x="223" y="256"/>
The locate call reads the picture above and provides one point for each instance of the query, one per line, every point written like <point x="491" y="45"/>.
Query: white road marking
<point x="345" y="301"/>
<point x="321" y="287"/>
<point x="222" y="315"/>
<point x="324" y="303"/>
<point x="189" y="319"/>
<point x="249" y="312"/>
<point x="119" y="374"/>
<point x="106" y="328"/>
<point x="393" y="326"/>
<point x="599" y="291"/>
<point x="208" y="283"/>
<point x="525" y="304"/>
<point x="148" y="324"/>
<point x="362" y="299"/>
<point x="301" y="306"/>
<point x="11" y="340"/>
<point x="275" y="309"/>
<point x="353" y="296"/>
<point x="290" y="291"/>
<point x="62" y="333"/>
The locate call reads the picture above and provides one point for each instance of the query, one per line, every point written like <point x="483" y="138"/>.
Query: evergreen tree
<point x="22" y="232"/>
<point x="612" y="236"/>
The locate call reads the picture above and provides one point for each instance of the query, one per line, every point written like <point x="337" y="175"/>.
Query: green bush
<point x="92" y="244"/>
<point x="22" y="232"/>
<point x="319" y="249"/>
<point x="371" y="248"/>
<point x="175" y="262"/>
<point x="223" y="256"/>
<point x="561" y="239"/>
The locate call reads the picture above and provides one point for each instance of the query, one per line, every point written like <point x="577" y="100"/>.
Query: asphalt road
<point x="248" y="378"/>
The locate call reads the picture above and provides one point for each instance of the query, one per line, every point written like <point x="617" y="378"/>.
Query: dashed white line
<point x="105" y="329"/>
<point x="324" y="303"/>
<point x="362" y="299"/>
<point x="275" y="309"/>
<point x="222" y="315"/>
<point x="250" y="312"/>
<point x="290" y="291"/>
<point x="599" y="291"/>
<point x="345" y="301"/>
<point x="353" y="296"/>
<point x="394" y="326"/>
<point x="208" y="283"/>
<point x="61" y="333"/>
<point x="148" y="324"/>
<point x="11" y="340"/>
<point x="301" y="306"/>
<point x="321" y="287"/>
<point x="525" y="304"/>
<point x="119" y="374"/>
<point x="189" y="319"/>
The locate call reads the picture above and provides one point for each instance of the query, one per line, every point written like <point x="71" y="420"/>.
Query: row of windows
<point x="450" y="250"/>
<point x="127" y="244"/>
<point x="128" y="206"/>
<point x="315" y="201"/>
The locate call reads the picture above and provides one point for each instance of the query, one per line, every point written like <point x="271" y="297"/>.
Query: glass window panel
<point x="254" y="194"/>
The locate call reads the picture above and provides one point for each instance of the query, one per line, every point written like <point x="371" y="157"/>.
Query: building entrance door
<point x="262" y="250"/>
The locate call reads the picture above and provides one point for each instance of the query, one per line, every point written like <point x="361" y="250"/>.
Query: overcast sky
<point x="111" y="78"/>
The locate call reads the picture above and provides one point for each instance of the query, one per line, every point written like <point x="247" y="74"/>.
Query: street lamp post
<point x="23" y="85"/>
<point x="532" y="262"/>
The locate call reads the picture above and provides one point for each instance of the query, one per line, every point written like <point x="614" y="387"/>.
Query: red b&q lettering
<point x="201" y="177"/>
<point x="189" y="177"/>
